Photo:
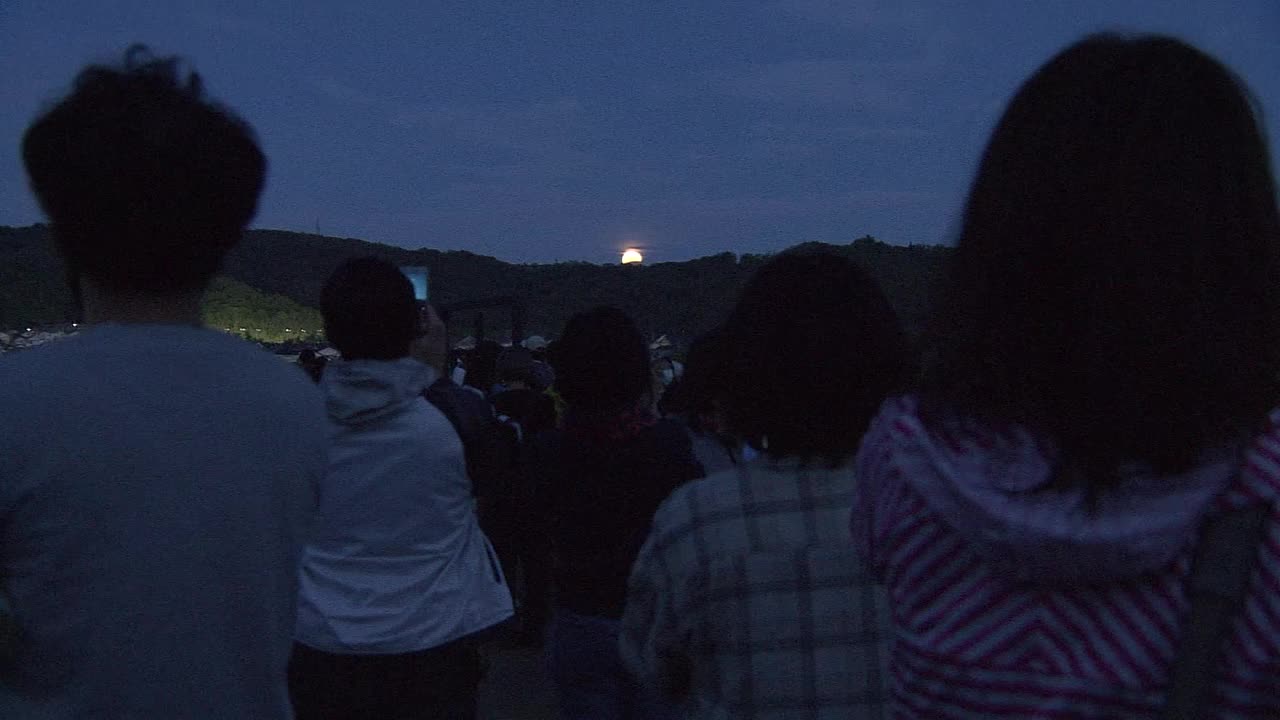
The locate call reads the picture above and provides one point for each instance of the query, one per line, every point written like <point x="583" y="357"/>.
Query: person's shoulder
<point x="69" y="347"/>
<point x="259" y="364"/>
<point x="28" y="385"/>
<point x="17" y="367"/>
<point x="279" y="388"/>
<point x="1261" y="476"/>
<point x="40" y="374"/>
<point x="699" y="503"/>
<point x="699" y="525"/>
<point x="445" y="392"/>
<point x="223" y="348"/>
<point x="898" y="407"/>
<point x="429" y="417"/>
<point x="898" y="420"/>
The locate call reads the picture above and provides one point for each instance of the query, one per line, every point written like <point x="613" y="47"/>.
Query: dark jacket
<point x="533" y="410"/>
<point x="592" y="504"/>
<point x="489" y="445"/>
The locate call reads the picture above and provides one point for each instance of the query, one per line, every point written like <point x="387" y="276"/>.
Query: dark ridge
<point x="682" y="299"/>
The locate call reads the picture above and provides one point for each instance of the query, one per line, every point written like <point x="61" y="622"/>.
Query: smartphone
<point x="418" y="275"/>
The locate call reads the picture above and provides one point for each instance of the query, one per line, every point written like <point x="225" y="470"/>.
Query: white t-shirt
<point x="156" y="482"/>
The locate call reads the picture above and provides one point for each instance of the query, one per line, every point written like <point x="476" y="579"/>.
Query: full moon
<point x="632" y="256"/>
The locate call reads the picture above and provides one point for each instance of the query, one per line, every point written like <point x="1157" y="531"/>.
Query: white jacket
<point x="397" y="561"/>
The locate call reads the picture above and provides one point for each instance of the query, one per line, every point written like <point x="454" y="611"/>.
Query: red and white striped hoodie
<point x="1014" y="599"/>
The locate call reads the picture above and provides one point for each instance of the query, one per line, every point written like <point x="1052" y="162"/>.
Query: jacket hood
<point x="994" y="489"/>
<point x="359" y="391"/>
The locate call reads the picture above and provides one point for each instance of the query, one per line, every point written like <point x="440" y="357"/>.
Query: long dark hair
<point x="1117" y="280"/>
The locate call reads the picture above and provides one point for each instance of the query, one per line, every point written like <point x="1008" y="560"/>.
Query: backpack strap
<point x="1221" y="571"/>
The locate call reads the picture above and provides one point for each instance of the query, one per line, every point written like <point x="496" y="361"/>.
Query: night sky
<point x="540" y="131"/>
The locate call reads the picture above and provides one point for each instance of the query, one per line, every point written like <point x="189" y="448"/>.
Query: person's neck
<point x="102" y="305"/>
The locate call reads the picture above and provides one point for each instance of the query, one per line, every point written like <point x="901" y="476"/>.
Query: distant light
<point x="632" y="256"/>
<point x="75" y="324"/>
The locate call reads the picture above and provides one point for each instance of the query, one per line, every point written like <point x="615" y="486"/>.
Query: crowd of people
<point x="1062" y="501"/>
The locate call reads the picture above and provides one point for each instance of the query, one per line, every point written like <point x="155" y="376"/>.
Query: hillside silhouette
<point x="276" y="278"/>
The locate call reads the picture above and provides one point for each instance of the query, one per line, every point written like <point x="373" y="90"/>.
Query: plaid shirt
<point x="748" y="601"/>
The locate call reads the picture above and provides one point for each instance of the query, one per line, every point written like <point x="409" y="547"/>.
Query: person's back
<point x="1036" y="602"/>
<point x="397" y="579"/>
<point x="1101" y="388"/>
<point x="745" y="601"/>
<point x="489" y="446"/>
<point x="397" y="561"/>
<point x="713" y="451"/>
<point x="596" y="498"/>
<point x="520" y="399"/>
<point x="158" y="478"/>
<point x="156" y="487"/>
<point x="594" y="486"/>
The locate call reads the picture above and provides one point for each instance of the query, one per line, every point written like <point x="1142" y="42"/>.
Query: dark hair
<point x="515" y="364"/>
<point x="369" y="311"/>
<point x="482" y="366"/>
<point x="601" y="361"/>
<point x="703" y="382"/>
<point x="1117" y="280"/>
<point x="811" y="350"/>
<point x="147" y="185"/>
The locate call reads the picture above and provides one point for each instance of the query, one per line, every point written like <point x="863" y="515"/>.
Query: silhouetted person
<point x="397" y="578"/>
<point x="745" y="601"/>
<point x="491" y="447"/>
<point x="1101" y="379"/>
<point x="524" y="413"/>
<point x="595" y="485"/>
<point x="697" y="401"/>
<point x="157" y="477"/>
<point x="520" y="399"/>
<point x="482" y="366"/>
<point x="544" y="376"/>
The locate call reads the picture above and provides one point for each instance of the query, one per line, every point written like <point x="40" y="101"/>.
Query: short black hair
<point x="811" y="350"/>
<point x="147" y="185"/>
<point x="369" y="311"/>
<point x="601" y="361"/>
<point x="1116" y="285"/>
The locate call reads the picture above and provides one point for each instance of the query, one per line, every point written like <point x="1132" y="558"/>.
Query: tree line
<point x="271" y="284"/>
